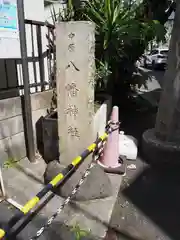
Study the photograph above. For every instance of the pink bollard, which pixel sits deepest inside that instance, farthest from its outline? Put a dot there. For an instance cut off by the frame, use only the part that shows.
(110, 156)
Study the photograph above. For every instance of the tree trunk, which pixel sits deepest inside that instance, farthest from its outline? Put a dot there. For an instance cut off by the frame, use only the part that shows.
(168, 117)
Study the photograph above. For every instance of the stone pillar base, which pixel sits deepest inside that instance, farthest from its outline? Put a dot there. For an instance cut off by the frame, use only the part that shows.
(158, 152)
(96, 186)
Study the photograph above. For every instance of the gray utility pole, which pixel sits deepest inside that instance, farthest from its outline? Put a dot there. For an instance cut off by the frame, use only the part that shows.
(25, 71)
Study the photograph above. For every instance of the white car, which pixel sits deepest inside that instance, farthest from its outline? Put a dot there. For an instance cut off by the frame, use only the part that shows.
(156, 58)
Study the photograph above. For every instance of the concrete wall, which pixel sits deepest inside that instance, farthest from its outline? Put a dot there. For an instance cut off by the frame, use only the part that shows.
(12, 143)
(101, 117)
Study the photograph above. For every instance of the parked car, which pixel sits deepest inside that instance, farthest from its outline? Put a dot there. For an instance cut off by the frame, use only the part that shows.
(156, 58)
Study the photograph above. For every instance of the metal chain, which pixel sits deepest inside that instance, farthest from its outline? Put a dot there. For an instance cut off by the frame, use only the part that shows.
(112, 126)
(96, 156)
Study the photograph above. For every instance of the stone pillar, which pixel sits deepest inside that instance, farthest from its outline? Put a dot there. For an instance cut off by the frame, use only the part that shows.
(75, 88)
(75, 99)
(162, 144)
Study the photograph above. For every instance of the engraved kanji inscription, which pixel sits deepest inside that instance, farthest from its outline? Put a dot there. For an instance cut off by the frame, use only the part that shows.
(71, 47)
(91, 114)
(71, 35)
(90, 103)
(72, 90)
(92, 81)
(91, 107)
(92, 49)
(72, 110)
(73, 65)
(73, 132)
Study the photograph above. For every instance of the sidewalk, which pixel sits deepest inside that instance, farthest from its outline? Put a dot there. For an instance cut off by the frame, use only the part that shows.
(148, 206)
(25, 180)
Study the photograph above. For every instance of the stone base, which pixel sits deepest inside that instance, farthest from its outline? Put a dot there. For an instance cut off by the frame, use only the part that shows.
(94, 215)
(157, 152)
(96, 186)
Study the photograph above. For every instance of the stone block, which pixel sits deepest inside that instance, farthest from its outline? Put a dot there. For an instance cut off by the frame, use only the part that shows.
(41, 100)
(12, 147)
(97, 185)
(10, 107)
(11, 126)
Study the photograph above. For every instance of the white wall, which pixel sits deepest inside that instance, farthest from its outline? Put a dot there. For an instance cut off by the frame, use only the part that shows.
(34, 9)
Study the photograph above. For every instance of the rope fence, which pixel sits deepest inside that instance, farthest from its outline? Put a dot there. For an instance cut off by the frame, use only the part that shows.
(96, 148)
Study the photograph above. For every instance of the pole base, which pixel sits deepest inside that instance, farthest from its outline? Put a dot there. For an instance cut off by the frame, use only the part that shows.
(120, 169)
(157, 152)
(96, 186)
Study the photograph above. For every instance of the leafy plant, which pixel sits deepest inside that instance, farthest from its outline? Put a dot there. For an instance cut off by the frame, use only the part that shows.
(78, 232)
(123, 31)
(117, 26)
(10, 163)
(65, 14)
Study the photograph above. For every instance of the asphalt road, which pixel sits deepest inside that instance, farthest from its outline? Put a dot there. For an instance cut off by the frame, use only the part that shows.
(154, 79)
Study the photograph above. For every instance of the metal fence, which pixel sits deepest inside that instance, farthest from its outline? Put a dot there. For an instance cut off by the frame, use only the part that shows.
(40, 37)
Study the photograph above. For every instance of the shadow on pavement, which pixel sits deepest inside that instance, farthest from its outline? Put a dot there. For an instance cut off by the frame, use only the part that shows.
(156, 193)
(57, 231)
